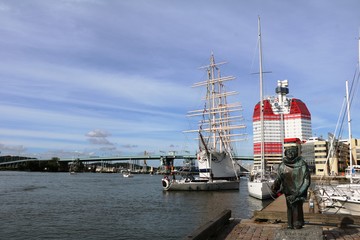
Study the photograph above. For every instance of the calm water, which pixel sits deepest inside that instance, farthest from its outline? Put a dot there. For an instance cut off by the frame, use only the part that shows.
(108, 206)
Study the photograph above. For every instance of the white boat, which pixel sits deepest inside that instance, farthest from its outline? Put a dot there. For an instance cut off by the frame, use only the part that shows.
(353, 172)
(199, 184)
(127, 174)
(350, 198)
(342, 198)
(259, 184)
(219, 127)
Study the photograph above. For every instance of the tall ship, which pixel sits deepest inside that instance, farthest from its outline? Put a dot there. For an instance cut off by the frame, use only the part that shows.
(219, 127)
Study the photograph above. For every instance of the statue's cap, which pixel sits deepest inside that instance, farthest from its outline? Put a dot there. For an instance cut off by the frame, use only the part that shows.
(289, 142)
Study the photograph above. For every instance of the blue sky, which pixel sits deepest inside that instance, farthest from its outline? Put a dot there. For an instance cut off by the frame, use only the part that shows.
(82, 77)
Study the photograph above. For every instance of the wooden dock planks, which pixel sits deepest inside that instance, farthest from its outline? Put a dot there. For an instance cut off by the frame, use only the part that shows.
(276, 212)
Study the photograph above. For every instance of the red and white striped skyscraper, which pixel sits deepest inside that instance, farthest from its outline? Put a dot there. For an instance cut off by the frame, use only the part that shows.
(283, 117)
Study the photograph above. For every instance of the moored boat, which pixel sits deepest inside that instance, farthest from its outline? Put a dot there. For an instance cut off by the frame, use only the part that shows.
(186, 184)
(218, 130)
(340, 198)
(260, 182)
(343, 198)
(353, 172)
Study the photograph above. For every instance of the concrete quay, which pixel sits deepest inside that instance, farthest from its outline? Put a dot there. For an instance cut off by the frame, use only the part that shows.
(249, 229)
(270, 223)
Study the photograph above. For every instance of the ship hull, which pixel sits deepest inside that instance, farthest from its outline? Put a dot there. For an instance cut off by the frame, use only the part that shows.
(342, 198)
(352, 206)
(215, 185)
(260, 190)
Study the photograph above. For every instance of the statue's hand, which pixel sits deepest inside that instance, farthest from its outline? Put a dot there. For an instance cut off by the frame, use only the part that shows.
(291, 199)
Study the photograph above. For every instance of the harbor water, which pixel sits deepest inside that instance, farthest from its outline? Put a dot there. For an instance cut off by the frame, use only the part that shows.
(38, 205)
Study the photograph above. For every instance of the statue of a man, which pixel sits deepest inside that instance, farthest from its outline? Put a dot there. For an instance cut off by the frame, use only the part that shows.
(293, 179)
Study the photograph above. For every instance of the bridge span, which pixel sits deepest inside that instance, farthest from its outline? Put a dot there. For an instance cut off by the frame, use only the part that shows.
(10, 160)
(144, 157)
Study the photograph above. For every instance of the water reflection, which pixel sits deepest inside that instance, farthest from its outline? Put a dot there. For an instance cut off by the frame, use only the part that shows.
(103, 206)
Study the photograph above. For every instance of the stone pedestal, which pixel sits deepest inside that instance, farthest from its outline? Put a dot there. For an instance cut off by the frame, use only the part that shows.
(306, 233)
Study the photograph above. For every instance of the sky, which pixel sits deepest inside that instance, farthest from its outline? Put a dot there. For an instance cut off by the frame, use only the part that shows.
(105, 78)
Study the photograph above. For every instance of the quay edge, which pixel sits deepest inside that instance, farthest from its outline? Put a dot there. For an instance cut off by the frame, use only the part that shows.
(271, 222)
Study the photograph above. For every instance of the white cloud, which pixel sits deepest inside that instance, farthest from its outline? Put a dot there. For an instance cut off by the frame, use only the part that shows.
(98, 133)
(15, 149)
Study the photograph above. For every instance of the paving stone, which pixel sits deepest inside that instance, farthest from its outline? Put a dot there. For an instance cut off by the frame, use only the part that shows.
(306, 233)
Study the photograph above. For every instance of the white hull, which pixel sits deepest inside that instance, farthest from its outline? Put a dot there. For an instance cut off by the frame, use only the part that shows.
(260, 190)
(342, 198)
(353, 172)
(335, 209)
(221, 165)
(340, 206)
(353, 207)
(215, 185)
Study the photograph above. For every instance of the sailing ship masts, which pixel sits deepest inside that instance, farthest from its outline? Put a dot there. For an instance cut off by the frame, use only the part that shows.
(214, 95)
(200, 114)
(227, 110)
(212, 64)
(216, 124)
(222, 128)
(222, 121)
(225, 106)
(233, 118)
(226, 136)
(211, 91)
(226, 126)
(349, 128)
(215, 112)
(232, 105)
(215, 109)
(261, 102)
(220, 95)
(213, 80)
(237, 140)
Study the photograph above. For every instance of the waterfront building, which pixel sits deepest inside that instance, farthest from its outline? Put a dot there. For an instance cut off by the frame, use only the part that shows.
(355, 151)
(330, 157)
(315, 152)
(283, 117)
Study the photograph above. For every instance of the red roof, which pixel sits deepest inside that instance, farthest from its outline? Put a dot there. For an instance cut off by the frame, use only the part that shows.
(267, 109)
(297, 109)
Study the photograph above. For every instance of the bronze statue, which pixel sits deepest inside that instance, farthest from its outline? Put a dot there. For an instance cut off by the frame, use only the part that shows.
(293, 180)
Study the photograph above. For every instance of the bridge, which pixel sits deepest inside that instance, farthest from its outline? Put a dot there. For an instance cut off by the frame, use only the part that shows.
(17, 160)
(145, 157)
